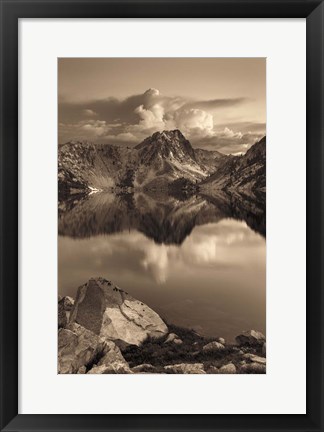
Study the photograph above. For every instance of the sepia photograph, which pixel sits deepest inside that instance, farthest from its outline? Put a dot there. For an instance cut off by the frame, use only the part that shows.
(161, 216)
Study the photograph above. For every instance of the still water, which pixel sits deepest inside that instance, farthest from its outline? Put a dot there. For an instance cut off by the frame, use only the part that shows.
(200, 263)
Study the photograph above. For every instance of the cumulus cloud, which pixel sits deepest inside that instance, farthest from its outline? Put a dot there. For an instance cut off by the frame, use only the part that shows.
(131, 120)
(188, 119)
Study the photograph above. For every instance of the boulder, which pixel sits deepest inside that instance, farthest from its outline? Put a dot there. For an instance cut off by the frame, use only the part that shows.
(65, 306)
(213, 346)
(185, 368)
(221, 340)
(144, 368)
(255, 358)
(113, 314)
(114, 368)
(250, 338)
(253, 368)
(78, 347)
(173, 338)
(228, 369)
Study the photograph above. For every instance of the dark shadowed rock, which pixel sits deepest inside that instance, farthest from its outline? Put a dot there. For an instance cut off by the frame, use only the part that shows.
(253, 368)
(114, 315)
(264, 349)
(212, 370)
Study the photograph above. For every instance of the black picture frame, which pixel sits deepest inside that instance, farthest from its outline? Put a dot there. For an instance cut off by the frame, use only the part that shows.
(11, 11)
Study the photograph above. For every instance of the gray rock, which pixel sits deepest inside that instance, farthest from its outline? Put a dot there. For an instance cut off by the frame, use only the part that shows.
(213, 346)
(228, 369)
(185, 368)
(113, 314)
(114, 368)
(173, 338)
(144, 368)
(78, 347)
(113, 355)
(250, 338)
(65, 306)
(221, 340)
(255, 358)
(253, 368)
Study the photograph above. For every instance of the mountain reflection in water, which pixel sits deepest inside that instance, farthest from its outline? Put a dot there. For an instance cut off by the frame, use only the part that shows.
(199, 262)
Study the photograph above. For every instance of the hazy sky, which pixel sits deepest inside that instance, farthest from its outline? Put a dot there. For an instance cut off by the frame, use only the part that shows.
(217, 103)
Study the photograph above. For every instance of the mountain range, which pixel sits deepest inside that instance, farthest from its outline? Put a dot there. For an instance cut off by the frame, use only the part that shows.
(165, 160)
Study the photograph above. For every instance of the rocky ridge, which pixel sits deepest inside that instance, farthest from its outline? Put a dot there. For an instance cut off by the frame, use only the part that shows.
(154, 164)
(106, 331)
(242, 173)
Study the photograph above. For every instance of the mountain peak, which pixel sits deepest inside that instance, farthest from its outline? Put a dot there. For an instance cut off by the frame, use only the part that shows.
(168, 144)
(164, 137)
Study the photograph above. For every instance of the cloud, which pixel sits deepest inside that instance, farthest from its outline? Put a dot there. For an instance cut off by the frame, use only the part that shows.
(95, 127)
(217, 103)
(89, 113)
(229, 142)
(152, 117)
(193, 119)
(132, 119)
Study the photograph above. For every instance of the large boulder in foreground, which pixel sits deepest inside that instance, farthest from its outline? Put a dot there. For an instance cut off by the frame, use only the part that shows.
(250, 338)
(113, 314)
(80, 350)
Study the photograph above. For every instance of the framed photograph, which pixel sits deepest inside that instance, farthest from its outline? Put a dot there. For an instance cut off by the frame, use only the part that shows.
(161, 215)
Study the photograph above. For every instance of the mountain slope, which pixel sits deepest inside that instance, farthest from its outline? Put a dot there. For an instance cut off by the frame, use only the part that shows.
(95, 166)
(241, 173)
(210, 159)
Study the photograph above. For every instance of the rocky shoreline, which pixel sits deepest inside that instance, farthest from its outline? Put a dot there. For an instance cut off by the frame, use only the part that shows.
(106, 331)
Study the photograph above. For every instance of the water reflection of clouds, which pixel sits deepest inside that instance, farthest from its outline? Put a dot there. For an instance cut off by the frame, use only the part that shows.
(227, 244)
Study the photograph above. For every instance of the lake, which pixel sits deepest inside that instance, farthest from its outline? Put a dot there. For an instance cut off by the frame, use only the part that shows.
(199, 261)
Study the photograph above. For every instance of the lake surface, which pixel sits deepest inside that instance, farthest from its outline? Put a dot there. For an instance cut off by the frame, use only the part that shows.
(199, 262)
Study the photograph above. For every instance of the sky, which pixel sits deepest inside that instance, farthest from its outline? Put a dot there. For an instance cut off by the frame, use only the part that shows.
(217, 103)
